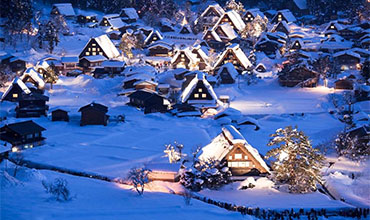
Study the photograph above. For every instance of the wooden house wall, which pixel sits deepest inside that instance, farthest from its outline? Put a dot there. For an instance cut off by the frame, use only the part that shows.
(18, 65)
(245, 164)
(92, 48)
(14, 94)
(200, 92)
(226, 77)
(159, 51)
(182, 60)
(93, 117)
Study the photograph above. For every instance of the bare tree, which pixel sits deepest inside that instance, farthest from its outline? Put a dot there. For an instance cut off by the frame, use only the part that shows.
(138, 178)
(58, 189)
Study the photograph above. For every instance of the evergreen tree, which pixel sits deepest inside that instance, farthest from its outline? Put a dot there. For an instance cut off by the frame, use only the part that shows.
(18, 15)
(352, 147)
(50, 75)
(236, 6)
(201, 174)
(295, 162)
(254, 29)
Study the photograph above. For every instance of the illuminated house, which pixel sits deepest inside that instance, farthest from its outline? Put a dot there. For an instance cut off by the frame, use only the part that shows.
(184, 59)
(231, 147)
(15, 90)
(101, 45)
(283, 15)
(233, 54)
(22, 135)
(251, 14)
(199, 93)
(64, 9)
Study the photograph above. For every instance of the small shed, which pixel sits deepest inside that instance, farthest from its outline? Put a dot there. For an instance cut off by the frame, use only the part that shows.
(94, 114)
(59, 115)
(344, 84)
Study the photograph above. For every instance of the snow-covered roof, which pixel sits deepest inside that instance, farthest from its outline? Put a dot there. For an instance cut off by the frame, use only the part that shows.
(230, 68)
(335, 24)
(301, 4)
(113, 63)
(107, 46)
(116, 23)
(228, 30)
(160, 44)
(70, 59)
(213, 33)
(35, 76)
(255, 12)
(240, 55)
(224, 143)
(20, 83)
(347, 52)
(192, 57)
(287, 14)
(192, 85)
(219, 10)
(130, 12)
(284, 24)
(65, 9)
(111, 16)
(95, 58)
(150, 35)
(235, 19)
(202, 52)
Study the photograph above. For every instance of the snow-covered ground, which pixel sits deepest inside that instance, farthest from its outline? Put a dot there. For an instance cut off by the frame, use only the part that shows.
(112, 150)
(94, 199)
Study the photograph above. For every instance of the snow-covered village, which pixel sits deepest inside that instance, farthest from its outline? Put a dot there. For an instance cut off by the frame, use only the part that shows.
(185, 109)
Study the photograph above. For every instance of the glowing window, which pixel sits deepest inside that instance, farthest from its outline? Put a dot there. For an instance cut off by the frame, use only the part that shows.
(15, 95)
(94, 53)
(200, 90)
(87, 53)
(246, 157)
(94, 49)
(238, 156)
(230, 157)
(196, 95)
(101, 53)
(94, 45)
(204, 95)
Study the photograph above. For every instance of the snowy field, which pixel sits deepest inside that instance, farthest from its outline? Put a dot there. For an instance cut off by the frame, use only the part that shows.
(114, 149)
(93, 199)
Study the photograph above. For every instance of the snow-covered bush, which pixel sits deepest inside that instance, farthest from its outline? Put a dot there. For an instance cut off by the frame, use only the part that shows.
(138, 178)
(200, 174)
(351, 147)
(174, 152)
(58, 189)
(295, 163)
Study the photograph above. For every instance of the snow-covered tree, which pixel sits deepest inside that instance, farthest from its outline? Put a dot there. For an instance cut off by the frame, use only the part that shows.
(236, 6)
(155, 9)
(127, 44)
(201, 174)
(295, 162)
(254, 29)
(18, 18)
(174, 152)
(352, 147)
(50, 75)
(138, 178)
(47, 33)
